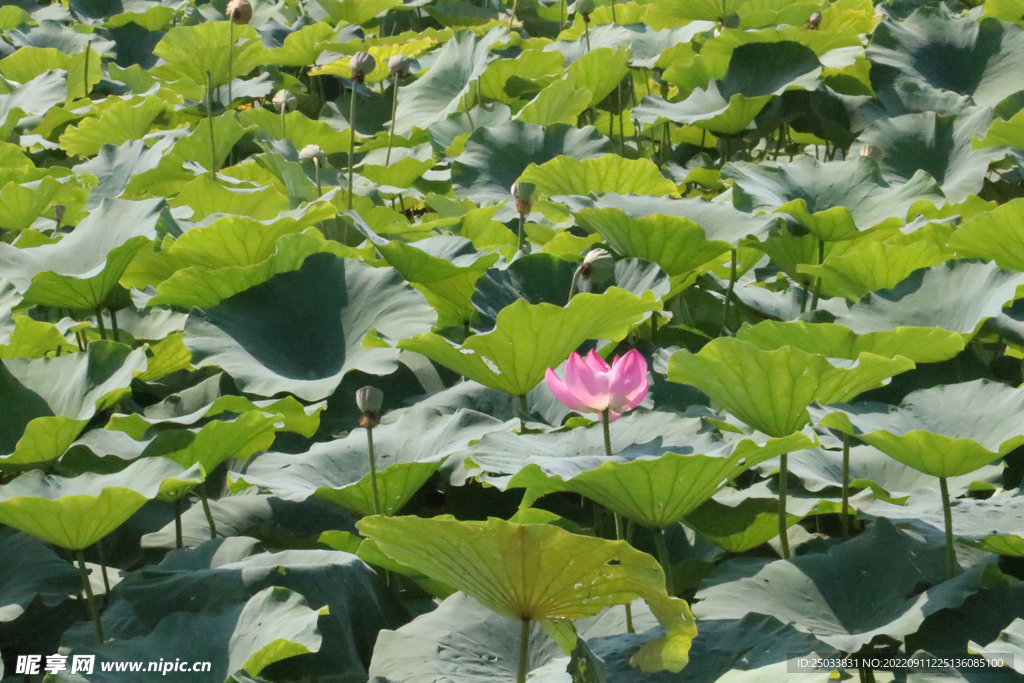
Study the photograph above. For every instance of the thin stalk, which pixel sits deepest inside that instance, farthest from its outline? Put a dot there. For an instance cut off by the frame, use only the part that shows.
(783, 483)
(586, 32)
(80, 340)
(622, 128)
(99, 319)
(178, 541)
(391, 135)
(284, 122)
(522, 226)
(817, 280)
(512, 18)
(316, 170)
(93, 609)
(85, 78)
(209, 118)
(113, 322)
(728, 292)
(523, 411)
(373, 471)
(209, 514)
(103, 570)
(607, 432)
(524, 652)
(613, 12)
(618, 519)
(654, 324)
(666, 560)
(952, 568)
(231, 55)
(561, 15)
(351, 141)
(846, 486)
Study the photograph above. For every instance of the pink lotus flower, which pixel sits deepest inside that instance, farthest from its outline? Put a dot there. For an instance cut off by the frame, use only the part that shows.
(592, 386)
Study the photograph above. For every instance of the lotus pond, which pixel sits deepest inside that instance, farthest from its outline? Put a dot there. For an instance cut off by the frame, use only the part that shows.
(522, 340)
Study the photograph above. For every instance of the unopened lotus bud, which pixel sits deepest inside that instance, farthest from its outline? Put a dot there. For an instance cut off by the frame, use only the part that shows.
(399, 65)
(597, 263)
(284, 101)
(523, 193)
(814, 22)
(361, 64)
(314, 155)
(586, 8)
(58, 212)
(369, 401)
(239, 11)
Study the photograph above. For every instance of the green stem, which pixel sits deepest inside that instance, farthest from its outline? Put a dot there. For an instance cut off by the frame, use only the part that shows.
(817, 280)
(666, 560)
(654, 324)
(952, 568)
(85, 78)
(231, 54)
(352, 141)
(284, 122)
(586, 30)
(783, 483)
(87, 585)
(113, 322)
(522, 225)
(524, 652)
(178, 541)
(512, 18)
(391, 135)
(209, 514)
(209, 118)
(607, 432)
(619, 536)
(99, 319)
(523, 411)
(728, 292)
(613, 12)
(618, 97)
(373, 471)
(846, 486)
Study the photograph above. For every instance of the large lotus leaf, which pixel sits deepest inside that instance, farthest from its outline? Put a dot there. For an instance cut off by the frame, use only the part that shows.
(996, 235)
(80, 270)
(538, 572)
(1010, 641)
(832, 200)
(704, 108)
(871, 265)
(812, 591)
(302, 47)
(737, 526)
(972, 292)
(122, 121)
(273, 625)
(676, 244)
(919, 344)
(410, 445)
(76, 512)
(46, 402)
(529, 339)
(114, 167)
(598, 72)
(31, 571)
(34, 98)
(30, 62)
(207, 197)
(382, 53)
(944, 431)
(298, 128)
(770, 390)
(673, 13)
(23, 204)
(940, 145)
(721, 222)
(439, 93)
(610, 173)
(301, 331)
(192, 51)
(494, 157)
(933, 59)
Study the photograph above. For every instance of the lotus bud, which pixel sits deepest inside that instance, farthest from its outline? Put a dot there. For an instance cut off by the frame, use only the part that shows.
(369, 401)
(284, 101)
(523, 193)
(586, 8)
(598, 267)
(314, 155)
(58, 213)
(399, 65)
(239, 11)
(361, 64)
(814, 22)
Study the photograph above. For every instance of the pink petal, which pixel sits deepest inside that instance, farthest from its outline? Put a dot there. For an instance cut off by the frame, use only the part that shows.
(596, 363)
(586, 385)
(627, 383)
(562, 393)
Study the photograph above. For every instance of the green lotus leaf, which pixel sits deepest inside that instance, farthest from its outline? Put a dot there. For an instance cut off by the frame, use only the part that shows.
(196, 146)
(34, 98)
(810, 591)
(22, 205)
(536, 67)
(80, 270)
(940, 145)
(673, 13)
(298, 128)
(439, 93)
(356, 11)
(770, 390)
(401, 174)
(1010, 545)
(1003, 134)
(933, 60)
(207, 197)
(46, 402)
(920, 434)
(302, 47)
(870, 265)
(834, 201)
(192, 51)
(34, 339)
(115, 167)
(495, 157)
(1010, 641)
(275, 624)
(25, 65)
(31, 571)
(973, 292)
(598, 71)
(559, 102)
(994, 235)
(919, 344)
(717, 53)
(738, 528)
(537, 572)
(76, 512)
(676, 244)
(514, 356)
(709, 109)
(610, 173)
(125, 120)
(302, 330)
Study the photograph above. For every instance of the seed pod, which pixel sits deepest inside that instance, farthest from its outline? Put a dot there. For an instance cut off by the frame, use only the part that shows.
(399, 65)
(58, 212)
(523, 193)
(369, 401)
(239, 11)
(361, 64)
(284, 101)
(586, 8)
(314, 155)
(814, 22)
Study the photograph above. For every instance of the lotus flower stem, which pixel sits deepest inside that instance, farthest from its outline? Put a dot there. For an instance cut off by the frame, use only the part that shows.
(524, 410)
(209, 515)
(666, 561)
(351, 141)
(522, 225)
(178, 541)
(284, 125)
(89, 596)
(817, 280)
(613, 12)
(586, 30)
(512, 17)
(605, 419)
(113, 322)
(231, 54)
(728, 292)
(103, 566)
(373, 471)
(209, 118)
(846, 486)
(952, 568)
(99, 319)
(619, 536)
(85, 77)
(783, 483)
(391, 134)
(524, 652)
